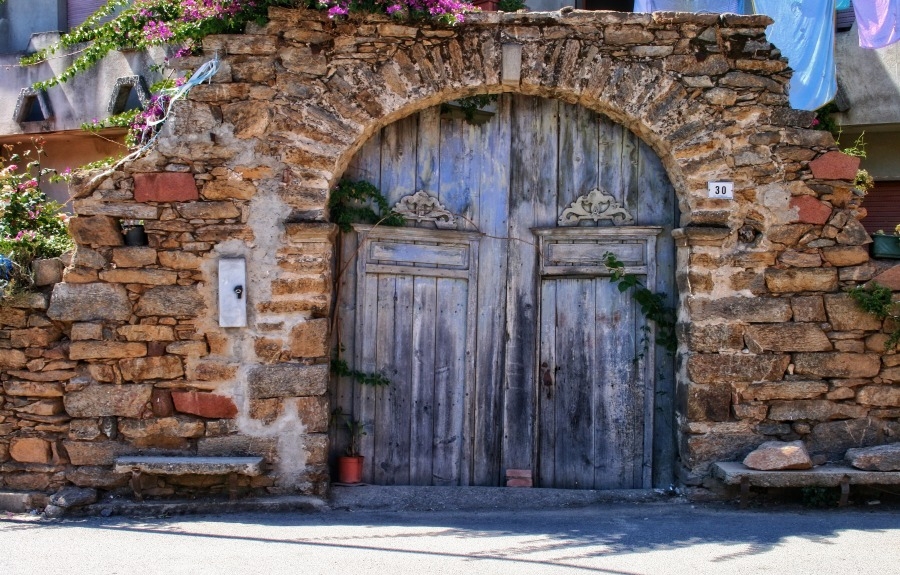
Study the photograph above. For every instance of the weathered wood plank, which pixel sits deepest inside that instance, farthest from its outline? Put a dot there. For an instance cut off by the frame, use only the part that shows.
(533, 179)
(449, 381)
(366, 359)
(398, 159)
(461, 152)
(610, 157)
(428, 151)
(491, 215)
(444, 256)
(422, 398)
(578, 154)
(385, 344)
(658, 206)
(547, 392)
(397, 443)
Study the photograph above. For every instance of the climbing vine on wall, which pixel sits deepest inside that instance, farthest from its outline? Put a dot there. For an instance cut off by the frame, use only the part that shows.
(879, 301)
(653, 304)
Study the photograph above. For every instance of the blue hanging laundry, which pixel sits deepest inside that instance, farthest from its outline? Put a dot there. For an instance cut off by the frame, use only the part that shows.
(716, 6)
(6, 267)
(804, 32)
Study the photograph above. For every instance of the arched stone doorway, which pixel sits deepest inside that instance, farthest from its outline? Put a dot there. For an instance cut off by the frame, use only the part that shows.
(506, 343)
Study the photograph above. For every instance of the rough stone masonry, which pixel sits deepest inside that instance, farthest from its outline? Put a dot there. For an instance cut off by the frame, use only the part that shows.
(125, 355)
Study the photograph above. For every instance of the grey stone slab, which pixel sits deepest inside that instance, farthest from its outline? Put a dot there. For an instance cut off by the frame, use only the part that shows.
(825, 476)
(159, 465)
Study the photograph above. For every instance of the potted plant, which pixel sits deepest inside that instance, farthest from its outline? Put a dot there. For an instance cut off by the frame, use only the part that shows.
(349, 465)
(886, 245)
(134, 233)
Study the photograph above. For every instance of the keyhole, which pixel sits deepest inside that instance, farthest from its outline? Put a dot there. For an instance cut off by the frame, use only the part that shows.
(239, 291)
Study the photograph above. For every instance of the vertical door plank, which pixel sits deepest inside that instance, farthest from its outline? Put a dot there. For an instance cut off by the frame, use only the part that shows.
(428, 151)
(491, 215)
(422, 398)
(574, 355)
(629, 170)
(395, 461)
(342, 388)
(610, 157)
(547, 392)
(460, 164)
(618, 441)
(533, 177)
(366, 164)
(385, 343)
(658, 206)
(398, 159)
(578, 152)
(449, 380)
(366, 360)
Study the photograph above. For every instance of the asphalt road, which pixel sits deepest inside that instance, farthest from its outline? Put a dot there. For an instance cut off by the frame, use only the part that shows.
(634, 538)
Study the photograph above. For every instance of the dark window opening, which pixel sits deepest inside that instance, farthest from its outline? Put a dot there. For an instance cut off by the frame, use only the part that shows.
(31, 110)
(844, 19)
(617, 5)
(882, 205)
(127, 99)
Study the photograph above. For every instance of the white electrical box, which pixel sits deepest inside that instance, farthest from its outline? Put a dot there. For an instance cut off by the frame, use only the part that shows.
(232, 292)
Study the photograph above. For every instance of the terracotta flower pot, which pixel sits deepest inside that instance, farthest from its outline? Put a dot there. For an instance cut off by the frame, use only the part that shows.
(350, 469)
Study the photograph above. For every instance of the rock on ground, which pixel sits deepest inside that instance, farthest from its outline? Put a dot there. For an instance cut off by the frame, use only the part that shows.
(777, 455)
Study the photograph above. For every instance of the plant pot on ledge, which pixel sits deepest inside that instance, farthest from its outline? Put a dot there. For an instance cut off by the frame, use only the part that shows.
(885, 246)
(350, 468)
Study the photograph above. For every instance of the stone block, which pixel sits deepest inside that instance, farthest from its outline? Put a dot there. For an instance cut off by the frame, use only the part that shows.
(28, 481)
(12, 317)
(32, 389)
(310, 338)
(141, 332)
(837, 364)
(810, 210)
(207, 405)
(713, 338)
(94, 452)
(786, 337)
(853, 234)
(134, 276)
(698, 451)
(230, 189)
(841, 256)
(813, 409)
(238, 445)
(879, 395)
(889, 278)
(809, 308)
(878, 458)
(145, 368)
(97, 477)
(740, 309)
(314, 413)
(784, 390)
(777, 455)
(43, 407)
(211, 370)
(106, 349)
(12, 359)
(134, 257)
(287, 380)
(89, 302)
(801, 280)
(84, 429)
(96, 231)
(47, 271)
(845, 315)
(101, 400)
(797, 259)
(736, 368)
(209, 210)
(34, 337)
(86, 331)
(177, 426)
(709, 402)
(178, 301)
(165, 187)
(187, 348)
(69, 497)
(179, 260)
(30, 450)
(835, 165)
(834, 438)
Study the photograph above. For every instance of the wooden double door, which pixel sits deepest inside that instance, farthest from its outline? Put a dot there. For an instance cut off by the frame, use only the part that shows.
(492, 314)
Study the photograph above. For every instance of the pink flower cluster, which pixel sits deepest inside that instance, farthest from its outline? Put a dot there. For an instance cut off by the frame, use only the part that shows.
(452, 11)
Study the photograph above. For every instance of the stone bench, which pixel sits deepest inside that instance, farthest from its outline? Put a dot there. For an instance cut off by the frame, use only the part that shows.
(157, 465)
(733, 473)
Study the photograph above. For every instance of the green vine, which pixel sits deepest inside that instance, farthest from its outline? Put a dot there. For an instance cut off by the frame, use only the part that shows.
(878, 300)
(653, 304)
(470, 106)
(342, 369)
(352, 202)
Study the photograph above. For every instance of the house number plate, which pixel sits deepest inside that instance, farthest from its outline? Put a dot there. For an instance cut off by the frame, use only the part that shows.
(721, 190)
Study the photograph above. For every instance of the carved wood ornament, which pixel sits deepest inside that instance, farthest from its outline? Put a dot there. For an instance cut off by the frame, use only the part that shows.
(423, 207)
(596, 205)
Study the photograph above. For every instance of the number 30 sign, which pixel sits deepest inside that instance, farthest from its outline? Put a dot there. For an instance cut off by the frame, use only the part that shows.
(721, 190)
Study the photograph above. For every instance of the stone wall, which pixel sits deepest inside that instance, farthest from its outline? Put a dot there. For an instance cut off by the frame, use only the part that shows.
(134, 360)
